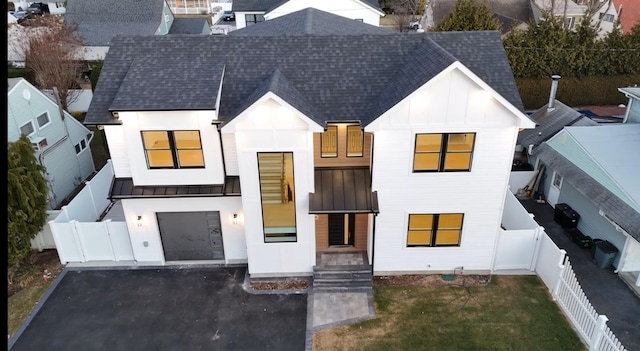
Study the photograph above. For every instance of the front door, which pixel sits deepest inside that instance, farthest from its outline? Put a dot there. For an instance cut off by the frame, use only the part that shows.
(341, 229)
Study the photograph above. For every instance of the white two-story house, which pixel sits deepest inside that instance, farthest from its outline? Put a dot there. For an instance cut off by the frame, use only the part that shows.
(399, 146)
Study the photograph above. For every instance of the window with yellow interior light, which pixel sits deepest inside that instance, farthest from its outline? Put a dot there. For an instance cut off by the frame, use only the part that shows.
(173, 149)
(434, 229)
(443, 152)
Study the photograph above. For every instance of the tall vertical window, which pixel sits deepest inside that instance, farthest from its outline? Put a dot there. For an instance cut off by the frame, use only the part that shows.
(434, 229)
(355, 141)
(329, 142)
(443, 152)
(173, 149)
(277, 195)
(253, 18)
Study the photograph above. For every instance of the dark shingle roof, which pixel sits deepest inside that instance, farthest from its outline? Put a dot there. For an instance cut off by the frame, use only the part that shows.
(310, 21)
(619, 211)
(254, 5)
(98, 21)
(549, 123)
(190, 26)
(334, 77)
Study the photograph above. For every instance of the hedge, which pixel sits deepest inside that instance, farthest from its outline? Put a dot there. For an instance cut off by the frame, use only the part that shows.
(593, 90)
(26, 73)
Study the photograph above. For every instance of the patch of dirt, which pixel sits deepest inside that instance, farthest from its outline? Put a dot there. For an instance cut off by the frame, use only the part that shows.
(431, 280)
(37, 266)
(280, 285)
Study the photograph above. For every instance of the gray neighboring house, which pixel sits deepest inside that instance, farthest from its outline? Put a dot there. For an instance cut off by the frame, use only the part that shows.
(510, 13)
(594, 170)
(61, 144)
(99, 21)
(632, 113)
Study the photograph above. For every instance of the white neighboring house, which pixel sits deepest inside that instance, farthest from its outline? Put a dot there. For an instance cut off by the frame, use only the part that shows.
(61, 143)
(249, 12)
(321, 147)
(604, 14)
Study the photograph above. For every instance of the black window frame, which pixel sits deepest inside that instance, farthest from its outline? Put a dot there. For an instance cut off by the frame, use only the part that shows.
(254, 17)
(434, 230)
(174, 150)
(443, 153)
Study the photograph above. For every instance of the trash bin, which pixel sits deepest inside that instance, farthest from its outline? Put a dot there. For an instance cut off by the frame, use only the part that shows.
(557, 215)
(569, 218)
(605, 254)
(594, 244)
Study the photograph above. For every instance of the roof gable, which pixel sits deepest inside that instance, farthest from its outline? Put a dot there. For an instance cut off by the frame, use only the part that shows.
(310, 21)
(602, 153)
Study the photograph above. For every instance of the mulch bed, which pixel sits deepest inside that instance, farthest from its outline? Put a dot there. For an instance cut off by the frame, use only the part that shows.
(37, 266)
(431, 280)
(280, 285)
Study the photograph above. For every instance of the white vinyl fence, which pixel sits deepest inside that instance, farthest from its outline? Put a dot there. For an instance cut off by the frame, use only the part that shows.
(78, 237)
(524, 247)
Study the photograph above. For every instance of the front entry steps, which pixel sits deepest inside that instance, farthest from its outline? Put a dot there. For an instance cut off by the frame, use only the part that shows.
(342, 278)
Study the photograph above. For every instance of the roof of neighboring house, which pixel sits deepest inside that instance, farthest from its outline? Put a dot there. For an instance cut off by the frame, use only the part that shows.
(550, 122)
(616, 209)
(559, 7)
(190, 26)
(268, 5)
(331, 77)
(631, 92)
(629, 11)
(310, 21)
(99, 21)
(12, 82)
(510, 13)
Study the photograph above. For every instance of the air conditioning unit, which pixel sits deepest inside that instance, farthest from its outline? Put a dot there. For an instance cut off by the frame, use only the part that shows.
(38, 143)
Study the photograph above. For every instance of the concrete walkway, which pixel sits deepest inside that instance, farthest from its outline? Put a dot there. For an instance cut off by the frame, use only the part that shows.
(332, 309)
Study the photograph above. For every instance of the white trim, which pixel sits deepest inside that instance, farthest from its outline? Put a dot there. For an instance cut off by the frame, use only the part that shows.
(40, 127)
(33, 128)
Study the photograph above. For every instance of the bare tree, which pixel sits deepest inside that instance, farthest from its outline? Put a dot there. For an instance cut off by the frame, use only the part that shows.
(405, 11)
(51, 52)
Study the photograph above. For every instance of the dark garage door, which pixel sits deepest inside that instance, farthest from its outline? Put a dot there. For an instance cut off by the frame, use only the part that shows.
(191, 235)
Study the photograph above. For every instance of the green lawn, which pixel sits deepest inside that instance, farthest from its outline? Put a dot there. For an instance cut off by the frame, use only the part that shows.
(509, 313)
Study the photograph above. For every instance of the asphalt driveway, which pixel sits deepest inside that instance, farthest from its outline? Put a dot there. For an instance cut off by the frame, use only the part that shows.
(163, 309)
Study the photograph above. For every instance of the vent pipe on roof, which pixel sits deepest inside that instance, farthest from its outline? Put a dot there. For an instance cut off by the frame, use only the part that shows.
(554, 90)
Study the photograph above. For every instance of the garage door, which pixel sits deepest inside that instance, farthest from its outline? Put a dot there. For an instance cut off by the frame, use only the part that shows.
(191, 235)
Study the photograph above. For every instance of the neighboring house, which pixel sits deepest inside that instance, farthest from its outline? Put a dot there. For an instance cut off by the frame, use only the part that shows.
(605, 16)
(61, 144)
(55, 7)
(395, 145)
(628, 13)
(310, 21)
(249, 12)
(511, 13)
(632, 112)
(567, 10)
(99, 21)
(595, 171)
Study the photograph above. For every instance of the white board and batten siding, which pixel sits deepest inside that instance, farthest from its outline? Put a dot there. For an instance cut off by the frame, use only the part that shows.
(230, 154)
(271, 125)
(146, 241)
(127, 152)
(356, 10)
(450, 103)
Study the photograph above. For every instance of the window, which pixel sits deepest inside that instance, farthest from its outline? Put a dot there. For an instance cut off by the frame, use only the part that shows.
(355, 140)
(277, 195)
(568, 22)
(557, 180)
(253, 19)
(43, 120)
(81, 146)
(434, 229)
(443, 152)
(27, 128)
(607, 17)
(329, 142)
(173, 149)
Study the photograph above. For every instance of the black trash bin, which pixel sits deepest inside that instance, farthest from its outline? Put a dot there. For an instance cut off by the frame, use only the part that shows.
(605, 254)
(569, 218)
(557, 215)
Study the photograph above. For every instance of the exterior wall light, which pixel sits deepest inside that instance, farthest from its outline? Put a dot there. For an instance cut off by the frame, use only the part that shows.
(235, 218)
(139, 221)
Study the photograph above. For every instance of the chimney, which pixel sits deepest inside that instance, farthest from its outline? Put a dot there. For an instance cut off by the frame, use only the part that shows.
(554, 89)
